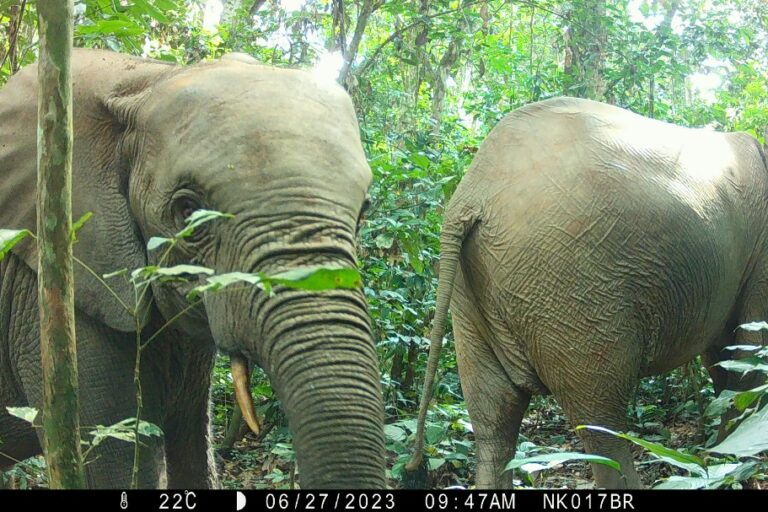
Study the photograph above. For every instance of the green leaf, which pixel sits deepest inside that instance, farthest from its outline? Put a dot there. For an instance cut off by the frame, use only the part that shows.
(116, 27)
(394, 433)
(551, 460)
(156, 241)
(198, 218)
(435, 432)
(318, 278)
(669, 455)
(434, 462)
(120, 272)
(9, 238)
(749, 438)
(721, 403)
(420, 160)
(27, 414)
(385, 241)
(746, 398)
(152, 272)
(150, 10)
(746, 365)
(754, 326)
(79, 224)
(124, 430)
(217, 282)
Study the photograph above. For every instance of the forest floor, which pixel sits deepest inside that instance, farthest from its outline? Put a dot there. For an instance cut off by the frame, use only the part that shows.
(252, 464)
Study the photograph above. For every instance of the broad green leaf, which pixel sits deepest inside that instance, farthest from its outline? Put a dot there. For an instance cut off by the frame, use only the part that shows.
(27, 414)
(385, 241)
(79, 224)
(435, 462)
(754, 326)
(9, 238)
(153, 271)
(746, 365)
(395, 433)
(116, 27)
(124, 430)
(746, 398)
(434, 432)
(420, 160)
(721, 403)
(318, 278)
(551, 460)
(669, 455)
(719, 475)
(685, 482)
(150, 10)
(157, 241)
(749, 438)
(217, 282)
(198, 218)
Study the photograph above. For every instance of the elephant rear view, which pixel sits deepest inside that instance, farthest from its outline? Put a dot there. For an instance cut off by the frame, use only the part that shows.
(588, 247)
(154, 143)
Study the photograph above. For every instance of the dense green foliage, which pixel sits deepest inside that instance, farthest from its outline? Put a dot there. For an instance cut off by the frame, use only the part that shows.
(429, 80)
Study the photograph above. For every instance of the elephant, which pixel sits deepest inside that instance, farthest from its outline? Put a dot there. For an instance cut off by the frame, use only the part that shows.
(585, 248)
(280, 151)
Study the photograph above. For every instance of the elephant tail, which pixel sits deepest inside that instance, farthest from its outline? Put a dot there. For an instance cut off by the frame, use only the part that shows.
(460, 219)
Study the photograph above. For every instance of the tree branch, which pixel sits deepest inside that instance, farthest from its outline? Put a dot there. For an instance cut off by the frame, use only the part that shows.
(368, 8)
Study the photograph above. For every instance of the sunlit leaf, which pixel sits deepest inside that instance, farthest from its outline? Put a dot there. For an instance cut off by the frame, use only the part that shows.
(435, 462)
(753, 326)
(551, 460)
(157, 241)
(27, 414)
(318, 278)
(394, 433)
(198, 218)
(9, 238)
(79, 224)
(675, 457)
(749, 438)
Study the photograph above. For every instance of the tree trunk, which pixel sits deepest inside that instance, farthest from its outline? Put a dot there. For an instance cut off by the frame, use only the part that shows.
(586, 40)
(350, 53)
(235, 431)
(61, 411)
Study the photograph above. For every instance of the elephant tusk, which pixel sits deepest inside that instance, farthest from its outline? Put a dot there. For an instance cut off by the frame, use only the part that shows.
(241, 376)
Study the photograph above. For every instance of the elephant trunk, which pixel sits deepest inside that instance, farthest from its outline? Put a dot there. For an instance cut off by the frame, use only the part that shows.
(319, 353)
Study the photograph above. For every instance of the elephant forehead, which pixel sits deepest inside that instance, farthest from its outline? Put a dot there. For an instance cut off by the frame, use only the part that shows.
(248, 92)
(240, 120)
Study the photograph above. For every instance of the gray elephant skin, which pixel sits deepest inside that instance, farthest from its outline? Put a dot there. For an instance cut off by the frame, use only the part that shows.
(154, 142)
(588, 247)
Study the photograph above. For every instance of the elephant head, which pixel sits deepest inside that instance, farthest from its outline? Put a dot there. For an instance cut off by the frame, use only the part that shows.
(276, 148)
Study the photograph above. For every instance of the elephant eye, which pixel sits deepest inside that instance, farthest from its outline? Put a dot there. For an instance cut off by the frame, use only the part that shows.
(183, 207)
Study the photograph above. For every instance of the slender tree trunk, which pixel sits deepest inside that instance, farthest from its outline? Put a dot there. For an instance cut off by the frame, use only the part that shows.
(235, 431)
(350, 53)
(586, 40)
(61, 411)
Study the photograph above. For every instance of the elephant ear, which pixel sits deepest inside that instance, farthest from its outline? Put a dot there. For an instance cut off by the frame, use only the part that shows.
(103, 85)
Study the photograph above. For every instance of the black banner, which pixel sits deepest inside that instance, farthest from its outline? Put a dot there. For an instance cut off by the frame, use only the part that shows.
(411, 501)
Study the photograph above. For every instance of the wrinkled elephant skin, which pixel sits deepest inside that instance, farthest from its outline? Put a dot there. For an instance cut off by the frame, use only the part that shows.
(588, 247)
(278, 149)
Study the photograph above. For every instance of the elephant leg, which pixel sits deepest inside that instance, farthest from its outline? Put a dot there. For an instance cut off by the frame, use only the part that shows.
(107, 396)
(496, 406)
(189, 458)
(597, 392)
